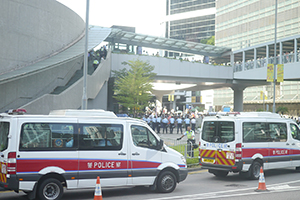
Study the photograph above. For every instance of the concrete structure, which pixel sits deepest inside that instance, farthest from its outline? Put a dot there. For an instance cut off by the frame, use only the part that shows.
(29, 87)
(32, 30)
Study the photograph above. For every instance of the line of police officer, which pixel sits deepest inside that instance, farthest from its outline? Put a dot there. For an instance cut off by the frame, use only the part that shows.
(170, 122)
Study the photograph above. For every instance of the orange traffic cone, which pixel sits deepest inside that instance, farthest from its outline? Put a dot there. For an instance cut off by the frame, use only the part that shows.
(98, 193)
(261, 183)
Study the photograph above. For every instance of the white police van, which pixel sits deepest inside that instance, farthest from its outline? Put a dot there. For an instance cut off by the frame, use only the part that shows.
(42, 154)
(243, 142)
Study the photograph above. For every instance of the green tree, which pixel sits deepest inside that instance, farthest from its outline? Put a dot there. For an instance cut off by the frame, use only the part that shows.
(282, 110)
(210, 40)
(133, 87)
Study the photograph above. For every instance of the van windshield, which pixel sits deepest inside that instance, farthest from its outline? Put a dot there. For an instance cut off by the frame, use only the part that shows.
(4, 130)
(218, 131)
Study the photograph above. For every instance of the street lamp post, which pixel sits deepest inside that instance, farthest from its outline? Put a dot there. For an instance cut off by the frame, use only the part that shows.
(275, 58)
(85, 64)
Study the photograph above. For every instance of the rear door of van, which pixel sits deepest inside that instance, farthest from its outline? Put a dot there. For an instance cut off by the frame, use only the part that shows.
(218, 143)
(144, 156)
(4, 132)
(103, 152)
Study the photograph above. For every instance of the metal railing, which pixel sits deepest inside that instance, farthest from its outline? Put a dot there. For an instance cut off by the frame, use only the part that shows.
(186, 148)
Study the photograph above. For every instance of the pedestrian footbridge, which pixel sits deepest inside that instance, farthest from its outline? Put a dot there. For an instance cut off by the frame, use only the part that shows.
(36, 87)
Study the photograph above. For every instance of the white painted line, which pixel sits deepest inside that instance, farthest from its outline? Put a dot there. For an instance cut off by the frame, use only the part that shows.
(279, 187)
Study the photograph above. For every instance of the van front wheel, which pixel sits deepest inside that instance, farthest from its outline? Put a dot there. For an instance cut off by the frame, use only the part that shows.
(50, 189)
(166, 182)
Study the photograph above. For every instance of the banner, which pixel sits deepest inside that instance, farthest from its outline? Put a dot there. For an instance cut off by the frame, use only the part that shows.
(263, 96)
(270, 73)
(280, 73)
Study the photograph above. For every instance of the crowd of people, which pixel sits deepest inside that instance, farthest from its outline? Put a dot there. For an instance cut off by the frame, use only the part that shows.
(98, 55)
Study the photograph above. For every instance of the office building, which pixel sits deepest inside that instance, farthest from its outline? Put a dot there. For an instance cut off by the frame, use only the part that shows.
(245, 23)
(190, 20)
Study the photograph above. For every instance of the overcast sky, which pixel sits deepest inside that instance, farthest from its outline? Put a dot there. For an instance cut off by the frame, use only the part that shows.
(145, 15)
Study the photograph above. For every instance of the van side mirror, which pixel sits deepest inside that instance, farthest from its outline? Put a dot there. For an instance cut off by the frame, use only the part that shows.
(160, 145)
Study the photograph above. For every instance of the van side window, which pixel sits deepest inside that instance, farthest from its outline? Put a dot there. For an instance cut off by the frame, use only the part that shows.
(218, 131)
(100, 136)
(264, 132)
(277, 132)
(295, 131)
(142, 137)
(47, 136)
(4, 131)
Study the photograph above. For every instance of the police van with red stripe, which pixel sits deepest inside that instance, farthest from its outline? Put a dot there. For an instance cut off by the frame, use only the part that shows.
(42, 154)
(244, 142)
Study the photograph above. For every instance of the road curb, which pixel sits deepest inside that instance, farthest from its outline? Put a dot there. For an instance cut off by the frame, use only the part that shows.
(194, 169)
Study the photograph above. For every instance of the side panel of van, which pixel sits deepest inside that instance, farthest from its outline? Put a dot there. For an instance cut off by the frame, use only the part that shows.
(39, 150)
(144, 156)
(294, 133)
(103, 152)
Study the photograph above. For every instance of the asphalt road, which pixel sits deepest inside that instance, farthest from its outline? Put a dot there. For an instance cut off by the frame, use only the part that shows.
(281, 184)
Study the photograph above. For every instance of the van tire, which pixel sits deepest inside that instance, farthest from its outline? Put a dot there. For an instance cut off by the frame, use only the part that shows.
(255, 170)
(50, 189)
(166, 182)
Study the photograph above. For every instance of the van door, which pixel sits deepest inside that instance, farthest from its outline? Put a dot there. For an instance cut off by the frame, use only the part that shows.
(144, 156)
(103, 152)
(4, 131)
(218, 143)
(294, 134)
(279, 145)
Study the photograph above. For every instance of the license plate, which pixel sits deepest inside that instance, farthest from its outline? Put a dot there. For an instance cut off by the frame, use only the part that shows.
(206, 160)
(230, 155)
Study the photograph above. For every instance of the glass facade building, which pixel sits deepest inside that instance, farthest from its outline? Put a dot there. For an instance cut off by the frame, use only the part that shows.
(244, 23)
(190, 20)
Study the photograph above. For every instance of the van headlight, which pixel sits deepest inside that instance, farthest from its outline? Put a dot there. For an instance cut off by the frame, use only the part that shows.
(183, 159)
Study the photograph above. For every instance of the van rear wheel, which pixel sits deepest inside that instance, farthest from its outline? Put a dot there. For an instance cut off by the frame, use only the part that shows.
(255, 170)
(166, 182)
(50, 189)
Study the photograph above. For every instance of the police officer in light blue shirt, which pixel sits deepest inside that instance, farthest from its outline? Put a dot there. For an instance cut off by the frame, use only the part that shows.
(179, 124)
(158, 123)
(149, 120)
(187, 122)
(154, 120)
(165, 122)
(172, 124)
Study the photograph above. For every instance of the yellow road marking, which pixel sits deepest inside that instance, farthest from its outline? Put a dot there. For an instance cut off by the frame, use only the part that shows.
(199, 171)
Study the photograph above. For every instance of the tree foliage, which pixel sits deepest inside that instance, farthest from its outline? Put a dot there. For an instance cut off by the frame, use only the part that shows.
(282, 110)
(133, 87)
(210, 41)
